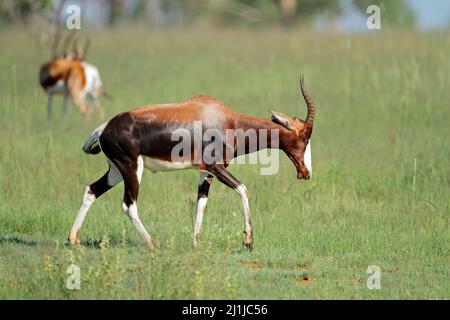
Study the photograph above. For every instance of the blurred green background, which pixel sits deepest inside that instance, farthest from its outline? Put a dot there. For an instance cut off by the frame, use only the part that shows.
(382, 105)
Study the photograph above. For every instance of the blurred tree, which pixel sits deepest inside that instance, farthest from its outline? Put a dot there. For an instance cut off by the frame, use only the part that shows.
(166, 12)
(286, 11)
(195, 9)
(393, 12)
(245, 11)
(116, 11)
(14, 11)
(225, 12)
(290, 10)
(139, 11)
(308, 8)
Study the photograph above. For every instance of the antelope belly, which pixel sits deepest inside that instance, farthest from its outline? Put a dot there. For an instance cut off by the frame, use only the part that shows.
(154, 165)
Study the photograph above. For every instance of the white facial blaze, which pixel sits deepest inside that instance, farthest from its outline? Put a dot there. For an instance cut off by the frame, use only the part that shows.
(307, 158)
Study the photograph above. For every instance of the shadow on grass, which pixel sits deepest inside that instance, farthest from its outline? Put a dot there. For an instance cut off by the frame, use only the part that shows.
(99, 244)
(17, 241)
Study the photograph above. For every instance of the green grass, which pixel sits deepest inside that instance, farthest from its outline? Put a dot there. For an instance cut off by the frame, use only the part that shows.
(382, 101)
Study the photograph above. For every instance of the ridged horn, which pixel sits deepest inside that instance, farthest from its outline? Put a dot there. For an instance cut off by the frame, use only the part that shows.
(309, 103)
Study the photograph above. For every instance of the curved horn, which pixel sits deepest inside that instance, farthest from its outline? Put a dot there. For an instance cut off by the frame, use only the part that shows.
(86, 47)
(67, 43)
(75, 50)
(309, 103)
(57, 31)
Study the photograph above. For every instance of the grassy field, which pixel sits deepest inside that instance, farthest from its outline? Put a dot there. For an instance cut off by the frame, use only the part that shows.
(382, 101)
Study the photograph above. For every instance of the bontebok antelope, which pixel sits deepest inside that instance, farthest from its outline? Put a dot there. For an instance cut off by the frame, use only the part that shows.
(147, 137)
(70, 75)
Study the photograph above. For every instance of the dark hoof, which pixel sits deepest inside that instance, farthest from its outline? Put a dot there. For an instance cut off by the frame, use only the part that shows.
(249, 246)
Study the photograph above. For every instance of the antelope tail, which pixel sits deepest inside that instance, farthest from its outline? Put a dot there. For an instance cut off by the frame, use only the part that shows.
(92, 144)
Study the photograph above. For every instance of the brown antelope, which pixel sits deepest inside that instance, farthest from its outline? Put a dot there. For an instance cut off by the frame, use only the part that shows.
(145, 138)
(71, 76)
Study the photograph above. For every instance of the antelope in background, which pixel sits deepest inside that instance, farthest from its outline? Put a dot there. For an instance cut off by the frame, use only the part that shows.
(144, 138)
(70, 75)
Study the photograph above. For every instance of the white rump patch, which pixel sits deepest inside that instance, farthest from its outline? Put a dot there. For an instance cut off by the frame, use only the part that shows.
(114, 176)
(93, 80)
(307, 158)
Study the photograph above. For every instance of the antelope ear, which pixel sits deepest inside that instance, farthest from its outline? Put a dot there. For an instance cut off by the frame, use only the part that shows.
(282, 119)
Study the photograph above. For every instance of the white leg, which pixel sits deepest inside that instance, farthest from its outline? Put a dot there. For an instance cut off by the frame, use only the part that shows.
(88, 200)
(132, 213)
(202, 199)
(201, 205)
(49, 105)
(242, 190)
(109, 180)
(132, 210)
(65, 104)
(95, 100)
